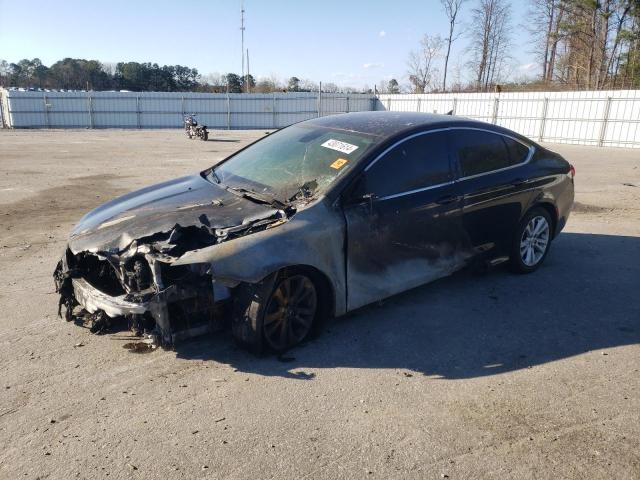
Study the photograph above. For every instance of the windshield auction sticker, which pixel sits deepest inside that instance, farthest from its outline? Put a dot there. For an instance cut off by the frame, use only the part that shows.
(339, 163)
(339, 146)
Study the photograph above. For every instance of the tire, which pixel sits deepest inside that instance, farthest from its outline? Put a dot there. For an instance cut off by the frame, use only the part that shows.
(532, 241)
(205, 136)
(278, 313)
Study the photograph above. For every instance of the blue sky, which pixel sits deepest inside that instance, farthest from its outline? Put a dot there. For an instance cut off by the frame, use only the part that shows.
(353, 43)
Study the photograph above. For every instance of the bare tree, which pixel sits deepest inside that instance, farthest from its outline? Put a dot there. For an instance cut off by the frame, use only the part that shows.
(451, 9)
(216, 82)
(421, 63)
(623, 30)
(544, 21)
(307, 85)
(490, 35)
(330, 87)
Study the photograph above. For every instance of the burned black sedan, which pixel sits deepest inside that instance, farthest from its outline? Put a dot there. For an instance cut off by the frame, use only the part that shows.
(314, 220)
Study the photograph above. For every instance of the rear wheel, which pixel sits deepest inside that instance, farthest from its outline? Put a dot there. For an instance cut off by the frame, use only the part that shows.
(531, 242)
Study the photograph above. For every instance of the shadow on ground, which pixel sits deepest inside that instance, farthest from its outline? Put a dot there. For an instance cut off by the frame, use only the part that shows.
(584, 298)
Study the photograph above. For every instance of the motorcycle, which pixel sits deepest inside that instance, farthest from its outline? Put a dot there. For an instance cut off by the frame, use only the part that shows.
(192, 129)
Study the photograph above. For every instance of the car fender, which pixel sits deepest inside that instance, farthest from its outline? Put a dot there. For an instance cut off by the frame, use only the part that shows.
(557, 192)
(313, 237)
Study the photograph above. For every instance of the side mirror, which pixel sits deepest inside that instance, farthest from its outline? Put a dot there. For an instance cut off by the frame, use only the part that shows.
(358, 194)
(361, 199)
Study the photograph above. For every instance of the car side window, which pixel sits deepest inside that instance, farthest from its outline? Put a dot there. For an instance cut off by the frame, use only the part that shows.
(518, 152)
(480, 151)
(420, 162)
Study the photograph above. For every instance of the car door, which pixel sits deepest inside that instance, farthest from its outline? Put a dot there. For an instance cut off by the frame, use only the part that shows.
(403, 220)
(493, 185)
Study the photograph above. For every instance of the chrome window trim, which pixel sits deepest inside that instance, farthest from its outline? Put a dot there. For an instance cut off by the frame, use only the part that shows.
(526, 160)
(410, 192)
(401, 141)
(455, 178)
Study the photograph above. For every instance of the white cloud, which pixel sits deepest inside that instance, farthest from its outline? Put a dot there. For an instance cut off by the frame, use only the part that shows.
(527, 67)
(382, 33)
(373, 65)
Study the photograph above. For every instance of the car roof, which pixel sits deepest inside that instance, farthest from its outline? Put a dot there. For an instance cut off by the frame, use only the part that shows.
(387, 124)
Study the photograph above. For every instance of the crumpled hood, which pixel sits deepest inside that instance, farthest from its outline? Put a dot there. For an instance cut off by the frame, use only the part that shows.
(186, 201)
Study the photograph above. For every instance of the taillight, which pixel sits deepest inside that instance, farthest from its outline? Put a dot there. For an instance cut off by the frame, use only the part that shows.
(572, 171)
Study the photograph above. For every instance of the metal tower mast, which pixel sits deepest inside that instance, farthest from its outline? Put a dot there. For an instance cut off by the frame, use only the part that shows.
(242, 33)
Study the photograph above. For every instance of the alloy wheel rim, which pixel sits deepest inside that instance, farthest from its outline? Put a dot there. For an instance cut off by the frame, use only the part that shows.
(290, 312)
(534, 241)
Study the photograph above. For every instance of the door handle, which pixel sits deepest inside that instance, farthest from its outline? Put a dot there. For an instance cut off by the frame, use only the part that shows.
(447, 199)
(519, 181)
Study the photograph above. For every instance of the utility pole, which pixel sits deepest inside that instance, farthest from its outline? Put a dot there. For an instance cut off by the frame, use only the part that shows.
(242, 32)
(248, 74)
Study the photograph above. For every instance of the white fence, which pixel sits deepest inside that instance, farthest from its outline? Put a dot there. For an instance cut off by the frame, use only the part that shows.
(166, 110)
(601, 118)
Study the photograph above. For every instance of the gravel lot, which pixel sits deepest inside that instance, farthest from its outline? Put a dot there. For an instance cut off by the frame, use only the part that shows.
(492, 376)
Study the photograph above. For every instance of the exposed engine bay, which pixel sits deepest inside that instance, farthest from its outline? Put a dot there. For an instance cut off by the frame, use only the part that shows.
(138, 287)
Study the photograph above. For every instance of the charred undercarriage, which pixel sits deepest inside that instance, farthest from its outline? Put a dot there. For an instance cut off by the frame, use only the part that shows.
(138, 287)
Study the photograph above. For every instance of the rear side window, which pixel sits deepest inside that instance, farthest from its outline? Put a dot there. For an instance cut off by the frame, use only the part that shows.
(480, 151)
(518, 152)
(419, 162)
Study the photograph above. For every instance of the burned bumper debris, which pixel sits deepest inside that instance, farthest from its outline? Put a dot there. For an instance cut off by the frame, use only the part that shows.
(108, 280)
(107, 293)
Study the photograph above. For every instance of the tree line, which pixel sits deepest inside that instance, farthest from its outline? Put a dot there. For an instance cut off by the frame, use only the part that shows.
(80, 74)
(578, 44)
(592, 44)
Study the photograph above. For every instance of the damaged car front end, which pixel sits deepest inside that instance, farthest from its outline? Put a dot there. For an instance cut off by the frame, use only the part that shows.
(106, 278)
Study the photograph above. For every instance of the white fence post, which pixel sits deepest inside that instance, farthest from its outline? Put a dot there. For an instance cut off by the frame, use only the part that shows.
(90, 106)
(46, 111)
(496, 105)
(228, 112)
(138, 111)
(319, 99)
(274, 123)
(543, 120)
(455, 106)
(605, 121)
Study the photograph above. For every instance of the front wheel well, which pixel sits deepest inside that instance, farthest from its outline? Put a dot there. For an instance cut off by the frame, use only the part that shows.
(321, 280)
(251, 299)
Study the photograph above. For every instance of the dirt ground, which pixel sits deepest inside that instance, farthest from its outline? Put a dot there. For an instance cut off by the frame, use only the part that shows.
(492, 376)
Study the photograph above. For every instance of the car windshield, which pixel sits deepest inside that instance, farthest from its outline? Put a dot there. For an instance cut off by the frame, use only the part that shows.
(297, 162)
